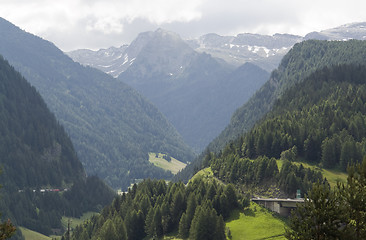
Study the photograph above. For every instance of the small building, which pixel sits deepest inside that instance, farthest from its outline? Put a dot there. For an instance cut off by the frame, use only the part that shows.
(280, 206)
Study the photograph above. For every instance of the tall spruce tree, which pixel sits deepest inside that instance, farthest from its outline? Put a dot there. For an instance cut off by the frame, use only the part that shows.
(338, 214)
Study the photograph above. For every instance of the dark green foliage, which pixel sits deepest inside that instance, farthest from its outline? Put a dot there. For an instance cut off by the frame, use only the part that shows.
(7, 229)
(353, 195)
(36, 153)
(35, 150)
(263, 171)
(318, 218)
(108, 231)
(337, 214)
(167, 157)
(323, 117)
(301, 61)
(153, 209)
(206, 225)
(184, 226)
(320, 120)
(112, 127)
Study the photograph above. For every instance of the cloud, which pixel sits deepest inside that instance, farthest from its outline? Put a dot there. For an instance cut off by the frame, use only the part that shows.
(72, 24)
(84, 17)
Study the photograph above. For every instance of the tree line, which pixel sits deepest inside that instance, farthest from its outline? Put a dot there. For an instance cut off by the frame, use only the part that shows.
(37, 153)
(338, 213)
(323, 118)
(153, 208)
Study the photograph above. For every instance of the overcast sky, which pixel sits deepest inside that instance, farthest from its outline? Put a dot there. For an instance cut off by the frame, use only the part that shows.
(94, 24)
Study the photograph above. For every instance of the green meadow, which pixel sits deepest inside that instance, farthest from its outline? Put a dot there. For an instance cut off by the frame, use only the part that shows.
(32, 235)
(333, 175)
(174, 165)
(254, 223)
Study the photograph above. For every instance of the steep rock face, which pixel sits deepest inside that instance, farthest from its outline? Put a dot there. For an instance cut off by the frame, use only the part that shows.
(111, 60)
(112, 126)
(263, 50)
(267, 51)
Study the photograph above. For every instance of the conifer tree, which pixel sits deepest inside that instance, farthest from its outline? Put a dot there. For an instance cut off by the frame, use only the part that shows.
(184, 226)
(353, 196)
(318, 218)
(108, 231)
(120, 228)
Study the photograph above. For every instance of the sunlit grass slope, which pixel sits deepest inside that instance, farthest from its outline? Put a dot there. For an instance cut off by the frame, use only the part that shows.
(255, 223)
(332, 175)
(173, 166)
(32, 235)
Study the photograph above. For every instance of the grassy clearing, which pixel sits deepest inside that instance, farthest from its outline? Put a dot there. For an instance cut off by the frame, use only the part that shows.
(207, 174)
(32, 235)
(174, 166)
(77, 221)
(333, 176)
(256, 223)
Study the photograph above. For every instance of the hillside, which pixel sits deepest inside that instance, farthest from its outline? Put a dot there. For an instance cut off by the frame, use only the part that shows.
(38, 162)
(323, 117)
(153, 209)
(302, 60)
(32, 140)
(255, 223)
(319, 120)
(113, 128)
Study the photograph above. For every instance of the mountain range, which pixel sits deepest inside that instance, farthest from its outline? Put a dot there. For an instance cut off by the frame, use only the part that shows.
(265, 51)
(112, 127)
(192, 80)
(310, 108)
(262, 50)
(196, 92)
(307, 119)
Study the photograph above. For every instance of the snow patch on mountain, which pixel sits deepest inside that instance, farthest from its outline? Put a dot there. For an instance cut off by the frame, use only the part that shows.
(263, 50)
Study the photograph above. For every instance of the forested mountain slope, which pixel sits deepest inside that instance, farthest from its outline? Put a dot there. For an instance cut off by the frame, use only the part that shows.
(301, 61)
(154, 208)
(113, 128)
(323, 116)
(32, 140)
(36, 153)
(320, 120)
